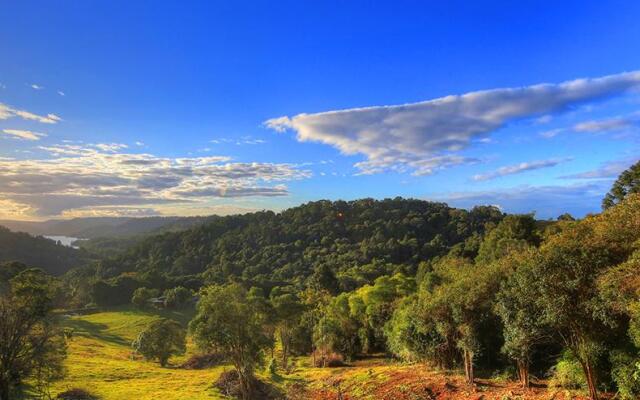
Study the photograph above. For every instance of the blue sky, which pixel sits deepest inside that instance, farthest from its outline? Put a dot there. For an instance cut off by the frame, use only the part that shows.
(142, 108)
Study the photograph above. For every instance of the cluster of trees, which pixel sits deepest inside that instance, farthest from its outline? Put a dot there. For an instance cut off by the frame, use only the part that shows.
(514, 299)
(337, 245)
(176, 297)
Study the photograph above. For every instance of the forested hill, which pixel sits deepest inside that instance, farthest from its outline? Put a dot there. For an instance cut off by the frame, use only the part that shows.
(351, 243)
(39, 252)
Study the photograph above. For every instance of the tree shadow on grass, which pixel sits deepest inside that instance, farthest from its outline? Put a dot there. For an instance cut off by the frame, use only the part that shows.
(282, 379)
(94, 330)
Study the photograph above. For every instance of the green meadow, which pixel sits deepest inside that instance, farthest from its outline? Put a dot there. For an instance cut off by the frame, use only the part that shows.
(101, 360)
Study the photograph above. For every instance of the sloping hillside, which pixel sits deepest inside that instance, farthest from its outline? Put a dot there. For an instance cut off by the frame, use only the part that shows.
(95, 227)
(39, 252)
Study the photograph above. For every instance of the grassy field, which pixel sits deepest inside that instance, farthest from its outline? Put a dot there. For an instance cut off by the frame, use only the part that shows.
(100, 361)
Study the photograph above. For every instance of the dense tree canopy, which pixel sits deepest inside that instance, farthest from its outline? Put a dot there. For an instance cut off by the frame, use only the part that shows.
(340, 245)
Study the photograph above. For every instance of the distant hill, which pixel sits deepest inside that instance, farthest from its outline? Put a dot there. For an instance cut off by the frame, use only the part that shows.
(95, 227)
(39, 252)
(356, 241)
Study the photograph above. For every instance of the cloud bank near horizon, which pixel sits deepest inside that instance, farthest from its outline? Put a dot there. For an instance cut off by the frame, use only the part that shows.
(76, 177)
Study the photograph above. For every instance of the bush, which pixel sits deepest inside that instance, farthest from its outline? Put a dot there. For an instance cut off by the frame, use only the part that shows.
(567, 373)
(177, 297)
(273, 366)
(626, 374)
(203, 361)
(229, 385)
(76, 394)
(141, 296)
(329, 360)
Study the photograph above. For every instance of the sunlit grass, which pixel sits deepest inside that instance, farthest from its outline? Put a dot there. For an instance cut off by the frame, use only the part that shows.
(100, 361)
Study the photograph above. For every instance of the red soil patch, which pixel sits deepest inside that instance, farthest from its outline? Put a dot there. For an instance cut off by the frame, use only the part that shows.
(419, 383)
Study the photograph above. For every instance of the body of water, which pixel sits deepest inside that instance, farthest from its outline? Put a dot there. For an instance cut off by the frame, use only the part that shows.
(65, 240)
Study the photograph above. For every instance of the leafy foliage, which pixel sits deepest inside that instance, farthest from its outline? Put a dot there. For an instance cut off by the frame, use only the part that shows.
(228, 320)
(177, 297)
(141, 296)
(31, 344)
(162, 339)
(627, 183)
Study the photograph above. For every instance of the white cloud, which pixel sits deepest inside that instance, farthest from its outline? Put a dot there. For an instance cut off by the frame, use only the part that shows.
(607, 170)
(545, 119)
(606, 125)
(7, 112)
(245, 140)
(519, 168)
(411, 133)
(551, 133)
(77, 177)
(111, 147)
(61, 93)
(220, 140)
(36, 87)
(418, 167)
(23, 135)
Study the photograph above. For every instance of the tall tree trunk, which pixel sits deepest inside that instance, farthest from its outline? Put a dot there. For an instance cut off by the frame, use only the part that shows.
(523, 373)
(313, 352)
(468, 366)
(285, 354)
(591, 380)
(4, 390)
(245, 385)
(471, 377)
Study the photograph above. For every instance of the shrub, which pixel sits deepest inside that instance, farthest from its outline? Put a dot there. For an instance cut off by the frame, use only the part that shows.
(626, 374)
(273, 366)
(141, 296)
(330, 360)
(76, 394)
(229, 385)
(203, 361)
(177, 297)
(567, 373)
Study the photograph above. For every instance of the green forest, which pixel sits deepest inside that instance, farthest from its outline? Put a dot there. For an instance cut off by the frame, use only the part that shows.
(477, 291)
